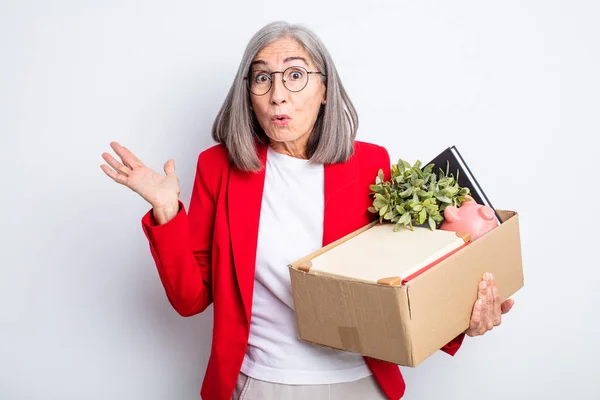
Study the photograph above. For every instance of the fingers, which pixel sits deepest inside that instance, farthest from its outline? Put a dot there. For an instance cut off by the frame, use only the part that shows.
(122, 179)
(506, 306)
(492, 307)
(475, 324)
(497, 314)
(169, 167)
(487, 320)
(486, 310)
(128, 158)
(478, 322)
(484, 296)
(116, 165)
(120, 170)
(490, 301)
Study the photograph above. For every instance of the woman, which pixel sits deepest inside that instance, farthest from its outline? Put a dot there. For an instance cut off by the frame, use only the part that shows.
(286, 178)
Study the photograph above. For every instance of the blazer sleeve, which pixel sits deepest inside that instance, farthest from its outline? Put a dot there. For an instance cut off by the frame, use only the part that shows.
(452, 346)
(181, 248)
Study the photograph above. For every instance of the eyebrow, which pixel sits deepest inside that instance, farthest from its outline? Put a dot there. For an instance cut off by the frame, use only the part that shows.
(288, 59)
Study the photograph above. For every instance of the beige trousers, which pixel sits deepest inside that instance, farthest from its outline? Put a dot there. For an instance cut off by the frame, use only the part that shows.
(248, 388)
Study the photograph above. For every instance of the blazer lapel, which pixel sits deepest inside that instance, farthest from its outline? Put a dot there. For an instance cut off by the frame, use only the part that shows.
(244, 199)
(341, 189)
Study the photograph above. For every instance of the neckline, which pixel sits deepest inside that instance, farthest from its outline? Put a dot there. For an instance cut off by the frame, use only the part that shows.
(281, 158)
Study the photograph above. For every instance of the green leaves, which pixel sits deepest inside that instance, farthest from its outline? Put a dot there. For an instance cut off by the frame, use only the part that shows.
(379, 177)
(422, 216)
(431, 223)
(376, 188)
(444, 199)
(406, 193)
(415, 196)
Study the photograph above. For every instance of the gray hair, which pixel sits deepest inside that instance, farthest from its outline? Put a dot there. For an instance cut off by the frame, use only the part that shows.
(236, 127)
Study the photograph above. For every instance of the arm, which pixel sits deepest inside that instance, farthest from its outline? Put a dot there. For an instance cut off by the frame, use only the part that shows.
(453, 346)
(181, 249)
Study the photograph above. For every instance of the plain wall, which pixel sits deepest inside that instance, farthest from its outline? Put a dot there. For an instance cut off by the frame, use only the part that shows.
(513, 84)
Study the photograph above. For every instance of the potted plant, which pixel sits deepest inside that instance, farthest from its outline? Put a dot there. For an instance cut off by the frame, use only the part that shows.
(415, 195)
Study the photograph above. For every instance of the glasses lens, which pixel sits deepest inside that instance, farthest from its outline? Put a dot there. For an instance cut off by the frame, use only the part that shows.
(295, 78)
(259, 82)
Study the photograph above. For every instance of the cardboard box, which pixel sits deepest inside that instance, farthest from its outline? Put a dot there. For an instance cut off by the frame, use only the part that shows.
(404, 322)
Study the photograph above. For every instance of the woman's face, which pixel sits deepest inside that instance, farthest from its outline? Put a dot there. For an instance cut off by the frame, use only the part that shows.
(286, 116)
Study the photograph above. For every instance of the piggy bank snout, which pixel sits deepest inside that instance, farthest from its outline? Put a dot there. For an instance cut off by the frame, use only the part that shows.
(451, 214)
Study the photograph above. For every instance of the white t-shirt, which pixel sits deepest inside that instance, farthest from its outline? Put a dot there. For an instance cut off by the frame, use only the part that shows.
(291, 226)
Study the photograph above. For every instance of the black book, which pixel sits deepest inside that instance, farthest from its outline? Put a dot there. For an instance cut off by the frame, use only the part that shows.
(450, 160)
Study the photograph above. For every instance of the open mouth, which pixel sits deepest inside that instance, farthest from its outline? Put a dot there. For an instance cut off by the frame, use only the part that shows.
(281, 120)
(280, 117)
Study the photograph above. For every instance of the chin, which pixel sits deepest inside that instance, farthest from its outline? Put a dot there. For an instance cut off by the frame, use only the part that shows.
(283, 137)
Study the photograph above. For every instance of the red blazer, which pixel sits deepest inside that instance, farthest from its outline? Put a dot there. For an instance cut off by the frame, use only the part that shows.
(208, 255)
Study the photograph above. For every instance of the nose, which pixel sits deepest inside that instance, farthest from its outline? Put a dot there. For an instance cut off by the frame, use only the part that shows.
(278, 91)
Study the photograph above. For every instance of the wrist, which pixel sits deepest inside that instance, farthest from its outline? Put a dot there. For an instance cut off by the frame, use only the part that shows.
(165, 213)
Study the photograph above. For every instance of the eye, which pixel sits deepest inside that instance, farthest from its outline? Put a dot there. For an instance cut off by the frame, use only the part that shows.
(261, 77)
(295, 74)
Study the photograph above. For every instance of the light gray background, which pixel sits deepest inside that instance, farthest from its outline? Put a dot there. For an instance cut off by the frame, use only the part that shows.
(514, 84)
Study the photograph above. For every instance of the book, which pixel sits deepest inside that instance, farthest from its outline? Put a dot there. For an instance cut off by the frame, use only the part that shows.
(450, 159)
(405, 254)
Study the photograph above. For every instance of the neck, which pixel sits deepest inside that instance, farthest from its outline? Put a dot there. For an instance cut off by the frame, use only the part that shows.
(296, 149)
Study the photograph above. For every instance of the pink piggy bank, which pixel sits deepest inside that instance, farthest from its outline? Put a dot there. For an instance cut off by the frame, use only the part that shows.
(470, 217)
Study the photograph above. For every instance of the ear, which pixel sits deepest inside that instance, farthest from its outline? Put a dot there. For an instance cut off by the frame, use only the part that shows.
(486, 213)
(451, 214)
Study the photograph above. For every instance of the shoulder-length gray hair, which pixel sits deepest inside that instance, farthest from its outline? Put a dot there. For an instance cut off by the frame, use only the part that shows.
(236, 127)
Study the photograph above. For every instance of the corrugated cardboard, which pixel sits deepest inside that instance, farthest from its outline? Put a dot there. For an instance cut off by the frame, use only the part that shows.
(406, 323)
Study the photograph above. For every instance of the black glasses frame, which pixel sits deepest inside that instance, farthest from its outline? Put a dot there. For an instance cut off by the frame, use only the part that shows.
(248, 83)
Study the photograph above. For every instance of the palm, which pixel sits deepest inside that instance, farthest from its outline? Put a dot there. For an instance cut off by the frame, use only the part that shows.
(155, 188)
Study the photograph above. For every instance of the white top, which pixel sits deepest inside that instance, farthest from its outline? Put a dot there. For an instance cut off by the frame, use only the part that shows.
(291, 226)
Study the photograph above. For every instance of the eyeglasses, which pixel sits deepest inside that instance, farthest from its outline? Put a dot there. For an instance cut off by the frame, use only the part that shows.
(294, 79)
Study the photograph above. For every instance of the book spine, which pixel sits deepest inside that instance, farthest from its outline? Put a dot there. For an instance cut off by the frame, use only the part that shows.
(432, 264)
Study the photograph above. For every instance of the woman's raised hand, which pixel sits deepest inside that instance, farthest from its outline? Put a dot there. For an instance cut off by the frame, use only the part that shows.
(161, 191)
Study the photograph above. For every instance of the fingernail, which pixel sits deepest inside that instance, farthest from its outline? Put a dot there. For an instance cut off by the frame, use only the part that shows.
(483, 284)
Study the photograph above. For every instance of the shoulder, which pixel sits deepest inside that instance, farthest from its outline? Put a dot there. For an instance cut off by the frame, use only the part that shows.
(211, 170)
(213, 161)
(216, 155)
(212, 166)
(366, 152)
(371, 158)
